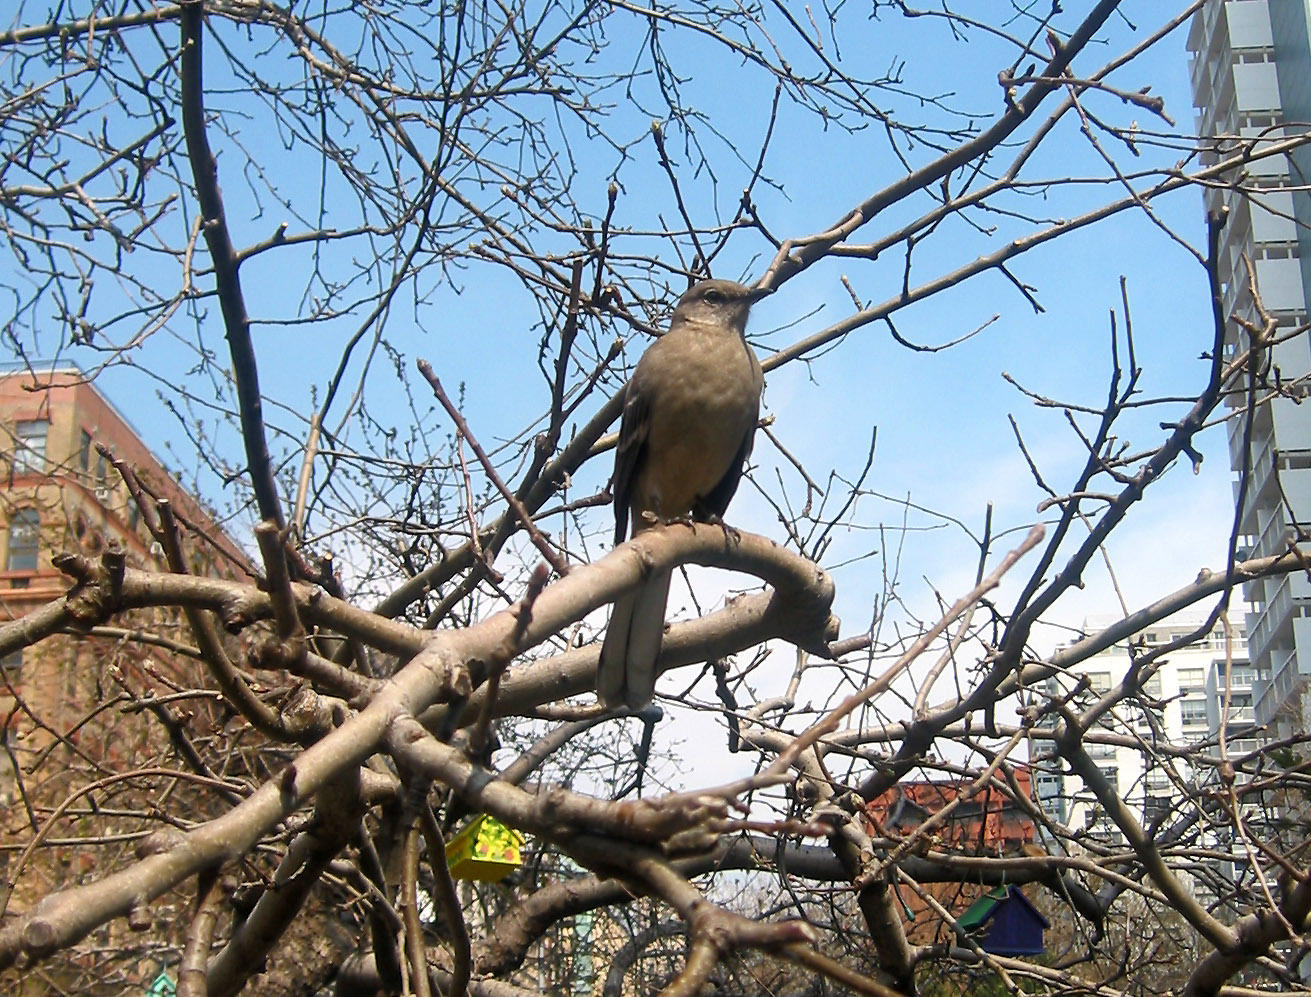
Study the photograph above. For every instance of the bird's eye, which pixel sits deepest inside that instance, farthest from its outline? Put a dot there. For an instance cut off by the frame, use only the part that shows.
(714, 297)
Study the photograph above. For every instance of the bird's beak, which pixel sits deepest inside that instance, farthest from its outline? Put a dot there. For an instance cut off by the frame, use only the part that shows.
(759, 292)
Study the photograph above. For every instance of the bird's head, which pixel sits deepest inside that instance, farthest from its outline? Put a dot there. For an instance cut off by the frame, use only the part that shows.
(718, 302)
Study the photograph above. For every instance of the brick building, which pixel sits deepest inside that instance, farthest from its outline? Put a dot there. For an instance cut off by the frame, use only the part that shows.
(83, 709)
(989, 822)
(58, 492)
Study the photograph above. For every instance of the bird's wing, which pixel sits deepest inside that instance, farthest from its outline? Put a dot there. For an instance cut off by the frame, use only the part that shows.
(714, 503)
(629, 455)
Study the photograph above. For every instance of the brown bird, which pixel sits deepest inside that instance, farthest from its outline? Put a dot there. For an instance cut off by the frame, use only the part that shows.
(688, 425)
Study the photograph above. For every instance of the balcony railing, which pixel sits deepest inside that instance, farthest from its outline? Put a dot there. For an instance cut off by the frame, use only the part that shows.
(1276, 611)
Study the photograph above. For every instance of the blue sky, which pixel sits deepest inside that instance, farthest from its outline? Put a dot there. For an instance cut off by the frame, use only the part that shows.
(944, 437)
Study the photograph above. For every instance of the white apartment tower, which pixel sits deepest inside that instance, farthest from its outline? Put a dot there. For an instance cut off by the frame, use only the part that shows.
(1251, 78)
(1198, 692)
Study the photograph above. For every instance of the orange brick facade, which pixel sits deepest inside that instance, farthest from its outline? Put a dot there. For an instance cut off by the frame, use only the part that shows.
(989, 822)
(76, 709)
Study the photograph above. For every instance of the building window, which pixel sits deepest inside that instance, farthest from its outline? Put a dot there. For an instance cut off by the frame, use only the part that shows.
(1294, 460)
(1240, 708)
(1267, 120)
(12, 662)
(1191, 678)
(1192, 712)
(1285, 251)
(1099, 682)
(1240, 676)
(1253, 55)
(24, 539)
(1106, 833)
(30, 446)
(84, 452)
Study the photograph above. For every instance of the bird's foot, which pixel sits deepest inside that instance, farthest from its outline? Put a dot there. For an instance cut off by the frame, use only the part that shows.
(730, 533)
(651, 519)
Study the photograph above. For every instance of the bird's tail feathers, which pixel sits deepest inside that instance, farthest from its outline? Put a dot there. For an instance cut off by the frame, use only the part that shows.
(626, 669)
(610, 667)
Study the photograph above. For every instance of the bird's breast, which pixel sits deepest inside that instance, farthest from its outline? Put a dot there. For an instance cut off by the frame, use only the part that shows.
(703, 395)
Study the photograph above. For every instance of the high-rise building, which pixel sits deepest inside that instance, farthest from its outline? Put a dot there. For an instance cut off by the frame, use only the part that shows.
(1198, 702)
(1251, 78)
(1196, 692)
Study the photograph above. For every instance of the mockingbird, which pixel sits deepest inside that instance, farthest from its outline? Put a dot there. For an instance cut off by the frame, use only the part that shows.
(689, 421)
